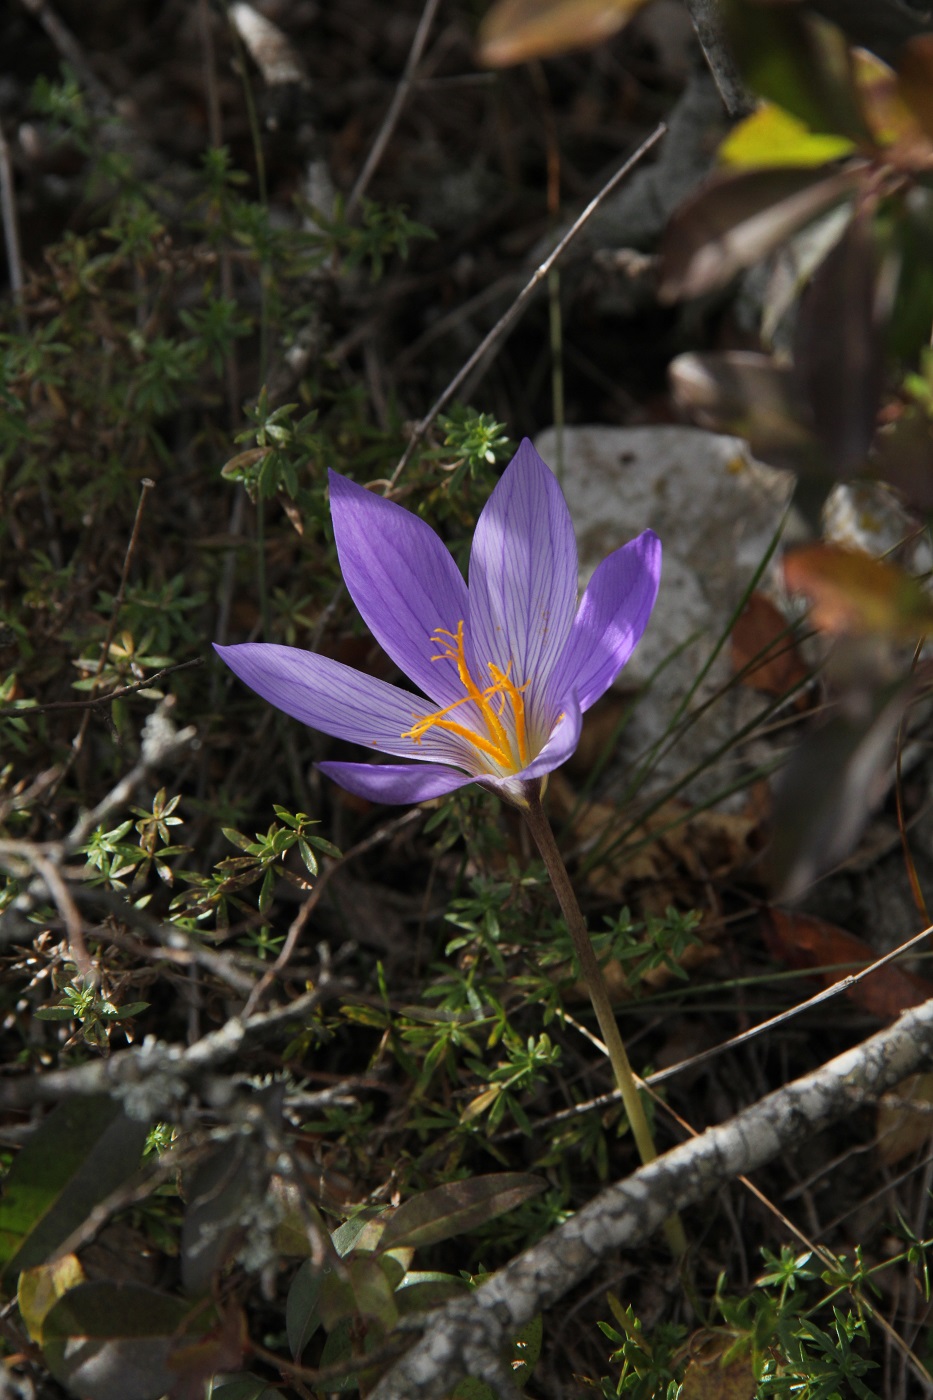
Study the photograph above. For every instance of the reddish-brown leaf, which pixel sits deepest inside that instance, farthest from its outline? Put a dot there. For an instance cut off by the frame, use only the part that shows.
(888, 111)
(915, 80)
(853, 594)
(804, 941)
(764, 650)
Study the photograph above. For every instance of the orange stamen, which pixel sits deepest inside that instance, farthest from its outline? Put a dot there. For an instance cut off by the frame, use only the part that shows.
(498, 744)
(512, 692)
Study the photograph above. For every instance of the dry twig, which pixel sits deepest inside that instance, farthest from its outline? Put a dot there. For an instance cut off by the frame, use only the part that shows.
(468, 1336)
(377, 149)
(507, 320)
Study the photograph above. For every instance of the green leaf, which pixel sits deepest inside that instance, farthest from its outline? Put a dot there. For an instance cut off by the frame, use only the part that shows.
(347, 1235)
(449, 1210)
(245, 1387)
(131, 1008)
(337, 1348)
(364, 1290)
(266, 891)
(112, 1341)
(82, 1152)
(326, 847)
(236, 838)
(798, 61)
(302, 1316)
(472, 1389)
(419, 1291)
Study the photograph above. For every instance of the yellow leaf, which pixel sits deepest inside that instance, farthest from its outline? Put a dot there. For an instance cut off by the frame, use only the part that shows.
(479, 1105)
(517, 30)
(771, 136)
(40, 1288)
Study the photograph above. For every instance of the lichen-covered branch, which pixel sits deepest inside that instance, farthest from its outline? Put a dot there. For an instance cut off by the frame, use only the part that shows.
(468, 1335)
(151, 1078)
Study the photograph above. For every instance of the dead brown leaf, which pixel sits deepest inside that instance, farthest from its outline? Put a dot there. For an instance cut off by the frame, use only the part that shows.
(764, 650)
(853, 594)
(708, 1379)
(515, 31)
(804, 941)
(903, 1129)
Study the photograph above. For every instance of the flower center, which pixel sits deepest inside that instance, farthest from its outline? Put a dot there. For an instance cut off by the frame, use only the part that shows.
(505, 740)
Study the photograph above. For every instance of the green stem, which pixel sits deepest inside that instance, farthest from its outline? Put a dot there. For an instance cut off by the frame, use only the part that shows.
(540, 828)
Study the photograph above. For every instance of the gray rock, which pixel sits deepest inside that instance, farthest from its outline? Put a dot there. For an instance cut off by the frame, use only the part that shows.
(716, 511)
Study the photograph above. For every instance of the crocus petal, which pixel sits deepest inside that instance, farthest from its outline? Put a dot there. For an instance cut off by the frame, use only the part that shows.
(391, 783)
(523, 579)
(403, 580)
(339, 701)
(556, 751)
(562, 743)
(613, 614)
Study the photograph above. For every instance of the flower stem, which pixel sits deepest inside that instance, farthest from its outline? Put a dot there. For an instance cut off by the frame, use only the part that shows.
(540, 829)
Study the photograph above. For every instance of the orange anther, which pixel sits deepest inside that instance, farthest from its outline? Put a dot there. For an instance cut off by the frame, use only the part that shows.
(508, 752)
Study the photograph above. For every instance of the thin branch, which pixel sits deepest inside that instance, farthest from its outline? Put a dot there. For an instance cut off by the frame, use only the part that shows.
(469, 1331)
(161, 743)
(68, 47)
(151, 1078)
(174, 944)
(27, 711)
(836, 989)
(395, 107)
(702, 1056)
(506, 321)
(64, 902)
(296, 928)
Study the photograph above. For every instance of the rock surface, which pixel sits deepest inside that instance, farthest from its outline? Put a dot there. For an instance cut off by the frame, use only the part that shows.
(716, 510)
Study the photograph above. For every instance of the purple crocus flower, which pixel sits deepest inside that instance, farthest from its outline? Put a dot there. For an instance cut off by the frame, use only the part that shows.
(509, 664)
